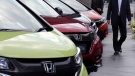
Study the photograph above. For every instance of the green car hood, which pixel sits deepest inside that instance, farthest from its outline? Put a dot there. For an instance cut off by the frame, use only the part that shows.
(35, 45)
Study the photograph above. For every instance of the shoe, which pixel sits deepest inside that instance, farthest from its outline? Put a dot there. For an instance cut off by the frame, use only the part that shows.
(116, 52)
(120, 50)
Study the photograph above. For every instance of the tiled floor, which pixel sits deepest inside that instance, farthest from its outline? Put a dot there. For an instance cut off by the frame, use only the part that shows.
(121, 65)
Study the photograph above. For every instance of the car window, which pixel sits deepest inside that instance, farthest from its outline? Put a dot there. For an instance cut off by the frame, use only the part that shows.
(40, 7)
(14, 16)
(76, 5)
(65, 8)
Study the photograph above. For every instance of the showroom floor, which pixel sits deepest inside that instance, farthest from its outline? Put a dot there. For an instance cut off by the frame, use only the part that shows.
(121, 65)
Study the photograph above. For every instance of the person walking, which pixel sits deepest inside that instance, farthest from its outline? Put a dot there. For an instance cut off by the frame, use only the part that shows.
(119, 11)
(97, 5)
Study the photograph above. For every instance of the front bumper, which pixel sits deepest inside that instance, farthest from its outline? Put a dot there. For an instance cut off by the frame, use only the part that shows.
(94, 57)
(95, 53)
(83, 71)
(34, 67)
(91, 48)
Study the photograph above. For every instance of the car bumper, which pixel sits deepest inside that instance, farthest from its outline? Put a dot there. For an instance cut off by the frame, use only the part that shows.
(35, 67)
(94, 57)
(104, 29)
(83, 71)
(96, 50)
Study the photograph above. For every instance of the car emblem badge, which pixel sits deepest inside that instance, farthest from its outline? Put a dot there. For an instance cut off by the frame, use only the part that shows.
(49, 67)
(77, 37)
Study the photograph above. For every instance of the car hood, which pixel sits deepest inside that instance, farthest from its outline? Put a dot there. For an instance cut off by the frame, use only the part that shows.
(72, 28)
(59, 20)
(67, 25)
(35, 45)
(92, 15)
(83, 19)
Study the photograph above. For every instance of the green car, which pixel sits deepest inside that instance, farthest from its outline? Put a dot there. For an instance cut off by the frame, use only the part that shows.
(29, 46)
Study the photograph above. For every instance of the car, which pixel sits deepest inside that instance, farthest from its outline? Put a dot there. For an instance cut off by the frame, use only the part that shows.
(82, 35)
(88, 12)
(64, 10)
(29, 46)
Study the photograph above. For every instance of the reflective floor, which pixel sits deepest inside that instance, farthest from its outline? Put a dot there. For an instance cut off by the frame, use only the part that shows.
(121, 65)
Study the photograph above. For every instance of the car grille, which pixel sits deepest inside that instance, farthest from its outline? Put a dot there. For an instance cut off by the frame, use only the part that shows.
(84, 42)
(34, 67)
(40, 60)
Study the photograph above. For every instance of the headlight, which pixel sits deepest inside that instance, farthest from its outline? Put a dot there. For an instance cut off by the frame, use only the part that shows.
(103, 19)
(94, 27)
(78, 61)
(87, 24)
(78, 58)
(4, 63)
(2, 74)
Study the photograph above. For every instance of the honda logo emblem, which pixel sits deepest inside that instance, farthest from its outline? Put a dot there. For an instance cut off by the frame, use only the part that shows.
(77, 37)
(49, 67)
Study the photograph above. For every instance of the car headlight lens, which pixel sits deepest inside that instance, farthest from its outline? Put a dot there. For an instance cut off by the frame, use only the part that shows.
(87, 24)
(3, 63)
(78, 61)
(78, 57)
(94, 27)
(2, 74)
(103, 19)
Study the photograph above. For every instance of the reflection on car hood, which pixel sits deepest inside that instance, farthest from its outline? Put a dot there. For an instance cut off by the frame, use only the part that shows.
(72, 28)
(67, 25)
(83, 19)
(60, 20)
(35, 45)
(92, 15)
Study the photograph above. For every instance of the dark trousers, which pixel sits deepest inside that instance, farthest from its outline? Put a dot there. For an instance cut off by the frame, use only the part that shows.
(119, 26)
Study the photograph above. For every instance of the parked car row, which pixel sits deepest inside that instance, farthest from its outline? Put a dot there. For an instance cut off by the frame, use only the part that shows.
(84, 10)
(49, 37)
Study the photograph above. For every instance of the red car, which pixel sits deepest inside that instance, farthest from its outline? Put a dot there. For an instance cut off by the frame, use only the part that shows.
(88, 12)
(80, 33)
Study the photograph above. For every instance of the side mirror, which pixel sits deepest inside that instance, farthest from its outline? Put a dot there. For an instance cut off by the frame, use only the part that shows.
(59, 10)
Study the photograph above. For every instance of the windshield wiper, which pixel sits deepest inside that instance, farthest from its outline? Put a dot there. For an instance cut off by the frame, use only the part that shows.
(8, 30)
(41, 29)
(4, 29)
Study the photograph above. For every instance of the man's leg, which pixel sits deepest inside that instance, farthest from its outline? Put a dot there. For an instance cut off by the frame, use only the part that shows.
(123, 33)
(115, 36)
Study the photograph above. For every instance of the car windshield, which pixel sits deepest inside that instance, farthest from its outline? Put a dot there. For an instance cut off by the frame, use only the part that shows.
(14, 16)
(40, 7)
(65, 8)
(76, 5)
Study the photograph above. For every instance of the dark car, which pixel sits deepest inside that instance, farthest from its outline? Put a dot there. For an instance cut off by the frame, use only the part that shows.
(84, 10)
(81, 34)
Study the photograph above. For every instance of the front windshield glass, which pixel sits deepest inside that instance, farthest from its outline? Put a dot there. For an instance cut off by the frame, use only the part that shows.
(65, 8)
(14, 16)
(76, 5)
(40, 7)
